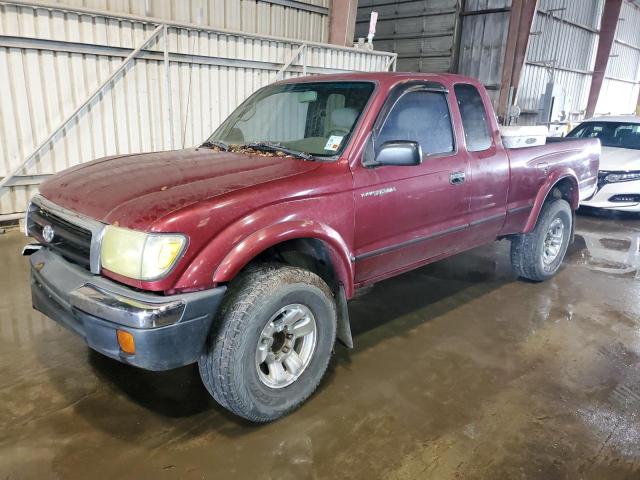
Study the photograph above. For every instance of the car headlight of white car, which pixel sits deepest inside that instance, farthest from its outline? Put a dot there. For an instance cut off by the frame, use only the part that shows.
(622, 177)
(140, 255)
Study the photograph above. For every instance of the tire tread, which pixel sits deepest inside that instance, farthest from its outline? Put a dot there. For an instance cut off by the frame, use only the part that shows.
(524, 251)
(242, 297)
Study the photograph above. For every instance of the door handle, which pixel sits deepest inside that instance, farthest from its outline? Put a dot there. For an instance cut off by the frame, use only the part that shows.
(456, 178)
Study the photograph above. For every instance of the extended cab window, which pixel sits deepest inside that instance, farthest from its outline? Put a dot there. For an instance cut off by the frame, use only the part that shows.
(421, 117)
(474, 118)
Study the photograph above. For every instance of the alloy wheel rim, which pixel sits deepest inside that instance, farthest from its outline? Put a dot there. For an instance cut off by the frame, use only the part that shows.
(286, 346)
(553, 242)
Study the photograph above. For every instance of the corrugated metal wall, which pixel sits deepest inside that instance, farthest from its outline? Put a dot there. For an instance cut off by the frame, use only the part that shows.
(485, 25)
(442, 36)
(566, 40)
(562, 45)
(300, 19)
(50, 60)
(421, 32)
(619, 94)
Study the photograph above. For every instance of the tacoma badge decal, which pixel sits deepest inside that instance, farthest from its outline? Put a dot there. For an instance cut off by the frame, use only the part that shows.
(377, 193)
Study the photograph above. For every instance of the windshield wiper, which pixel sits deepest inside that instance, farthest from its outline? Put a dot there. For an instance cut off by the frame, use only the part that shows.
(274, 147)
(215, 143)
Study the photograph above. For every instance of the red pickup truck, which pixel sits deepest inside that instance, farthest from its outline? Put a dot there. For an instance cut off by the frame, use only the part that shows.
(241, 254)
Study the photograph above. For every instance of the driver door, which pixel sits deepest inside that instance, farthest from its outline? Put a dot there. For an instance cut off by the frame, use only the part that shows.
(407, 215)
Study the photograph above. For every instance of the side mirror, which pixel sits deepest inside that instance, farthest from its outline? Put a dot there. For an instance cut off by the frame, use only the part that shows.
(400, 153)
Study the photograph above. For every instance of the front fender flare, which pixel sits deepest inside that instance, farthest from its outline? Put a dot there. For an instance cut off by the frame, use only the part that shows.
(258, 242)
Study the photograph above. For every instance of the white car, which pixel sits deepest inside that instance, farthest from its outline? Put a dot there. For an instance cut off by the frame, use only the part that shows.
(619, 175)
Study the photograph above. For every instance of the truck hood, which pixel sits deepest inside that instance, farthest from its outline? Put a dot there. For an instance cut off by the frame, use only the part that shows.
(619, 159)
(135, 190)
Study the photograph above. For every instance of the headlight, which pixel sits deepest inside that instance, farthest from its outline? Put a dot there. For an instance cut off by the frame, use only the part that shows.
(622, 177)
(139, 255)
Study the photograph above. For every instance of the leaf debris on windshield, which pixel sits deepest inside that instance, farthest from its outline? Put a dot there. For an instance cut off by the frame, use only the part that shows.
(251, 151)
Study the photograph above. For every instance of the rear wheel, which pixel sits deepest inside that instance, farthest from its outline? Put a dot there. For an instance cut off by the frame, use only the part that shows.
(273, 342)
(537, 255)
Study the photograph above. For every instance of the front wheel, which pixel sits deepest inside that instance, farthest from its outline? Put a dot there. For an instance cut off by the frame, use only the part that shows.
(537, 255)
(273, 342)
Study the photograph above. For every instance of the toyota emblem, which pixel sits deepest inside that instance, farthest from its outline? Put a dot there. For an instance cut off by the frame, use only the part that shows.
(48, 233)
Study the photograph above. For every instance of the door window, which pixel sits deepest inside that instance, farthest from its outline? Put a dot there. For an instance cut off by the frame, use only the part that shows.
(474, 118)
(422, 117)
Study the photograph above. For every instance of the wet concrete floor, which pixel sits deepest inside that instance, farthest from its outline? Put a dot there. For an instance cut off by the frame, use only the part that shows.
(459, 371)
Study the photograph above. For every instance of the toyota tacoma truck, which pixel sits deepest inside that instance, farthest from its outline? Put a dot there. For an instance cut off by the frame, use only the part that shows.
(241, 254)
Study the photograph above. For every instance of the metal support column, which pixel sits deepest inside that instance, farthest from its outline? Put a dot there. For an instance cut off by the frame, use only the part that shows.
(521, 19)
(608, 25)
(342, 22)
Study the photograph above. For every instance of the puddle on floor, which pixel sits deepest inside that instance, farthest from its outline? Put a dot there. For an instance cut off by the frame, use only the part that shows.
(612, 247)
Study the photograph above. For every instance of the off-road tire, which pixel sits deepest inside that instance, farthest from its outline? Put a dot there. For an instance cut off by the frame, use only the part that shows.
(527, 248)
(227, 366)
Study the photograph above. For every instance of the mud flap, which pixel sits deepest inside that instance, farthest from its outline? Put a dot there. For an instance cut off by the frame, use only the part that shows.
(573, 228)
(343, 332)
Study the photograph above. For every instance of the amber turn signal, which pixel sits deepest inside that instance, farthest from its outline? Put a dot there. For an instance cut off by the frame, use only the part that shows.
(126, 342)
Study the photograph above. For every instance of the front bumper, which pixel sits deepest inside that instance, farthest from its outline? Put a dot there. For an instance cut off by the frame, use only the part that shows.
(602, 197)
(169, 331)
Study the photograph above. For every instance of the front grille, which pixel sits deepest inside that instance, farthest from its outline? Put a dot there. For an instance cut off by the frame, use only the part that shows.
(70, 241)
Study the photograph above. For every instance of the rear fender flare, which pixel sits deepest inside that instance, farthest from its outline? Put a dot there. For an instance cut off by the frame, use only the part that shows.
(544, 191)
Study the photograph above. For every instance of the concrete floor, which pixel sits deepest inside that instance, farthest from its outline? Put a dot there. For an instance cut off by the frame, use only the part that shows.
(459, 371)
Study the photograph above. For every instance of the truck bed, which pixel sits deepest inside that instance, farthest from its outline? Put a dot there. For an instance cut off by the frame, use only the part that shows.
(533, 167)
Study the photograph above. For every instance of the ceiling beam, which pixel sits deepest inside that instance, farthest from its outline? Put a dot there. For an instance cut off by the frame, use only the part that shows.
(610, 17)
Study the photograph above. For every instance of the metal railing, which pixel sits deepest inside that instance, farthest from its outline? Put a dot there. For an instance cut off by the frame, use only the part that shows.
(47, 142)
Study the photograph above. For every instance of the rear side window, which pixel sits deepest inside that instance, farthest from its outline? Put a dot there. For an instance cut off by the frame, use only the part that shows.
(474, 118)
(421, 117)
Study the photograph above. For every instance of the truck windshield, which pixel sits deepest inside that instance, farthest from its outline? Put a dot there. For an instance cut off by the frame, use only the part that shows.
(611, 134)
(310, 118)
